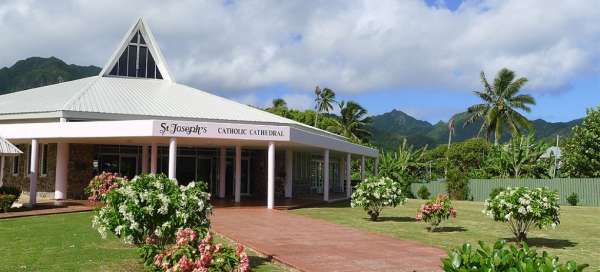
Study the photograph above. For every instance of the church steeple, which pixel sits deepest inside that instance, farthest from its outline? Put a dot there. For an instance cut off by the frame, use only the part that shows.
(138, 56)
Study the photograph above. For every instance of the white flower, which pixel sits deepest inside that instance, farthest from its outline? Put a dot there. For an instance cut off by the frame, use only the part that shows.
(522, 210)
(553, 225)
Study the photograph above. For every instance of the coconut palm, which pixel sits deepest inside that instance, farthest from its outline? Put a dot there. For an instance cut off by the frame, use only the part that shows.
(352, 122)
(500, 104)
(324, 102)
(279, 104)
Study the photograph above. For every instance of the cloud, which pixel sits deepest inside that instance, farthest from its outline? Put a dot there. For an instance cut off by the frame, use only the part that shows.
(232, 47)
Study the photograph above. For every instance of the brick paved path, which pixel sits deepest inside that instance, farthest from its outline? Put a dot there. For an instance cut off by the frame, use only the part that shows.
(314, 245)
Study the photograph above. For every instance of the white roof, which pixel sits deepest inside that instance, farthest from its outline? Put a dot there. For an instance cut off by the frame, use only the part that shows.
(8, 149)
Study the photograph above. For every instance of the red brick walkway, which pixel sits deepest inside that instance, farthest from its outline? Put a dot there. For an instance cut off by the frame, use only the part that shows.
(315, 245)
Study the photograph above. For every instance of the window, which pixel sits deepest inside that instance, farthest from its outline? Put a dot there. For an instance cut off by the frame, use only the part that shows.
(136, 60)
(44, 162)
(16, 164)
(28, 161)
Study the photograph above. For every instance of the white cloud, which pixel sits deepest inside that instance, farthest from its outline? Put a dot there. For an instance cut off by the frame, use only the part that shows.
(299, 101)
(351, 46)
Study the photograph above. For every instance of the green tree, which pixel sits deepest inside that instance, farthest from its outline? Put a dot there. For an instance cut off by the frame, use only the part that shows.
(352, 122)
(279, 104)
(522, 153)
(324, 101)
(404, 165)
(499, 106)
(581, 154)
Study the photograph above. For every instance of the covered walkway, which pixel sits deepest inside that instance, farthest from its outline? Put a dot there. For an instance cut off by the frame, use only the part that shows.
(314, 245)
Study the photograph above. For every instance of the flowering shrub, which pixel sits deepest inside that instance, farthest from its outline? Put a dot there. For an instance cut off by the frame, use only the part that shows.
(522, 207)
(6, 202)
(101, 184)
(191, 252)
(435, 211)
(150, 209)
(501, 258)
(374, 193)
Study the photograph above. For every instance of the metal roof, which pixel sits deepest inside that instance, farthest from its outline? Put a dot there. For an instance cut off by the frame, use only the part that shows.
(8, 149)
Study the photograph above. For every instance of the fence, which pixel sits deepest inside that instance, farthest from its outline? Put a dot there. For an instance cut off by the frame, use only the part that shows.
(587, 189)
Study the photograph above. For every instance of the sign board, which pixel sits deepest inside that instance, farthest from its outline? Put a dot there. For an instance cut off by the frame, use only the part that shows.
(221, 130)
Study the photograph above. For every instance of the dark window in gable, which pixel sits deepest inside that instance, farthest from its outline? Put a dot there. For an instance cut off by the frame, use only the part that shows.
(136, 60)
(143, 64)
(132, 61)
(123, 63)
(151, 66)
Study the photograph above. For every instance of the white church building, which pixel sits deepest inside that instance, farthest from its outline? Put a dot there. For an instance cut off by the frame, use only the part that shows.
(135, 118)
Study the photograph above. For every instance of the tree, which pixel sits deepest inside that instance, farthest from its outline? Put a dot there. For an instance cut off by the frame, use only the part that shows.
(581, 156)
(500, 104)
(279, 104)
(404, 166)
(325, 100)
(521, 152)
(352, 122)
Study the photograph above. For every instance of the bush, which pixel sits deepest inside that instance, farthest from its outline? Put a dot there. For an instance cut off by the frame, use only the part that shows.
(435, 211)
(423, 192)
(192, 252)
(495, 192)
(458, 184)
(101, 184)
(374, 193)
(573, 199)
(11, 190)
(6, 202)
(503, 258)
(581, 151)
(522, 207)
(150, 209)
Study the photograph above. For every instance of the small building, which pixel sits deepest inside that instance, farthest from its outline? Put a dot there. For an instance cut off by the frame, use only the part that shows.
(135, 118)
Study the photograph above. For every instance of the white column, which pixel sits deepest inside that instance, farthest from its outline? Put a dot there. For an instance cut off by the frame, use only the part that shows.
(326, 175)
(173, 158)
(1, 171)
(222, 171)
(348, 175)
(62, 171)
(33, 173)
(144, 159)
(153, 158)
(376, 170)
(238, 172)
(271, 176)
(289, 171)
(362, 167)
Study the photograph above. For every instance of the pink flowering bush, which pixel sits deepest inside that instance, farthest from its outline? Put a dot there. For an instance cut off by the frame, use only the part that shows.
(101, 184)
(194, 252)
(435, 211)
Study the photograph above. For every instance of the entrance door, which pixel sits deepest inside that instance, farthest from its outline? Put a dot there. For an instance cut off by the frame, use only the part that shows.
(128, 166)
(205, 173)
(245, 189)
(186, 170)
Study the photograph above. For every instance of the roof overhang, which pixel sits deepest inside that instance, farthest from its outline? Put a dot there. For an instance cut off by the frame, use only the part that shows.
(186, 130)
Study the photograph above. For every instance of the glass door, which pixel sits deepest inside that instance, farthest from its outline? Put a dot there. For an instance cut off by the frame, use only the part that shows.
(128, 166)
(186, 169)
(245, 189)
(205, 174)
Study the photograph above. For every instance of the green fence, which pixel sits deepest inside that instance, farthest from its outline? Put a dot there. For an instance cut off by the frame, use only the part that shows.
(588, 190)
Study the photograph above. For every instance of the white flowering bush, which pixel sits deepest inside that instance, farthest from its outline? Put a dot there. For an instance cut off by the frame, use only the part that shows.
(149, 209)
(374, 193)
(522, 208)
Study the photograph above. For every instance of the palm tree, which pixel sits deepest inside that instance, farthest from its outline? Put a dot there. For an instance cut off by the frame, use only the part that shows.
(279, 104)
(324, 102)
(352, 122)
(500, 104)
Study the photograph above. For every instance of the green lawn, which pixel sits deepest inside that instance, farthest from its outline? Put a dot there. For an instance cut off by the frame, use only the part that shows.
(577, 237)
(67, 242)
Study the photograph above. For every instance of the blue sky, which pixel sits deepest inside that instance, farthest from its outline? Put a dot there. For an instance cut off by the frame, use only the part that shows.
(421, 57)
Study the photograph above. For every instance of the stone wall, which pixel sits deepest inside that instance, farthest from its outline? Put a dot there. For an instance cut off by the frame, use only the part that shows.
(81, 171)
(45, 185)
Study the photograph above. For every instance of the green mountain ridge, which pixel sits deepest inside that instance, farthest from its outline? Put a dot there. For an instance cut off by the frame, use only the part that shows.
(37, 71)
(391, 128)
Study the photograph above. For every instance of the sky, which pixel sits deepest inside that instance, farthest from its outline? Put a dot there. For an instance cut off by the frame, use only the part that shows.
(421, 57)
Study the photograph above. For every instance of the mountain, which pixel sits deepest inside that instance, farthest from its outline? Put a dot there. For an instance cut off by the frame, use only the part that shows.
(36, 72)
(391, 128)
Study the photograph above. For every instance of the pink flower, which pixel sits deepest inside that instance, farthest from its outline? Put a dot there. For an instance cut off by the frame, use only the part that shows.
(239, 250)
(419, 217)
(158, 260)
(185, 236)
(244, 263)
(185, 264)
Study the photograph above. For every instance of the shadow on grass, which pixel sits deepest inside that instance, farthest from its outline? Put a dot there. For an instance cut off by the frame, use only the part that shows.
(547, 242)
(449, 229)
(394, 219)
(256, 261)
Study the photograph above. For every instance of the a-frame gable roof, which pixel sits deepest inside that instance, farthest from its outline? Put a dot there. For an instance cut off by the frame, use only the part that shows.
(138, 55)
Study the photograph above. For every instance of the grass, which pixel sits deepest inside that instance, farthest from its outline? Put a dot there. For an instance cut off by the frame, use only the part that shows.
(576, 238)
(67, 242)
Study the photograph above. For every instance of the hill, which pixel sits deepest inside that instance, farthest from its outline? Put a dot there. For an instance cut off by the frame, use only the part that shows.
(390, 128)
(36, 72)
